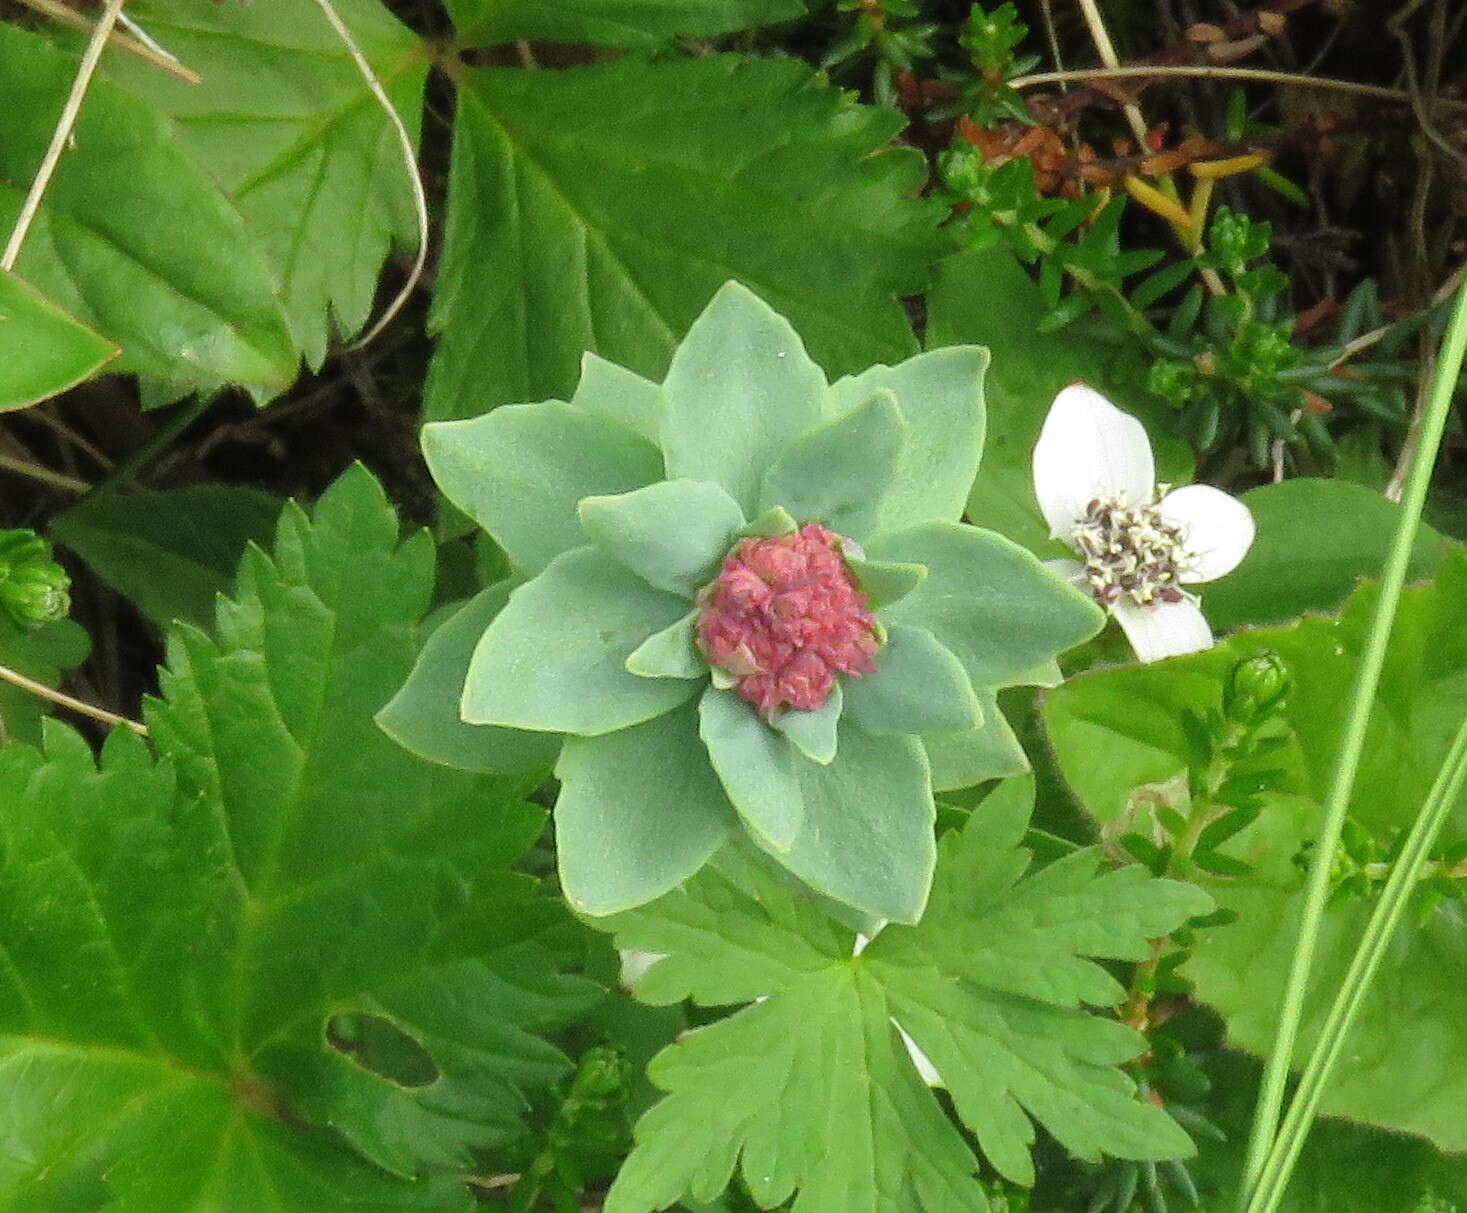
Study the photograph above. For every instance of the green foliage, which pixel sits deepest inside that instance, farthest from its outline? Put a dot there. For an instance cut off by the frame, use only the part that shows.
(599, 643)
(189, 299)
(285, 124)
(1225, 360)
(551, 250)
(990, 39)
(885, 37)
(43, 351)
(196, 945)
(991, 986)
(1123, 737)
(618, 23)
(1316, 538)
(170, 553)
(987, 298)
(41, 654)
(1344, 1168)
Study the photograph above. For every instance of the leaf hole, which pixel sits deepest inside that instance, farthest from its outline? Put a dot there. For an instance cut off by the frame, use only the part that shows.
(379, 1045)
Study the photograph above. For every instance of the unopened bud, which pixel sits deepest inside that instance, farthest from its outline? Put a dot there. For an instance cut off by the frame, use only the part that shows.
(34, 589)
(1256, 687)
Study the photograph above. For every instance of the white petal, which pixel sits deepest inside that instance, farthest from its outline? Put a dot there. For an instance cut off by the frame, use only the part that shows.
(1068, 570)
(1167, 629)
(634, 964)
(919, 1059)
(1088, 448)
(1217, 529)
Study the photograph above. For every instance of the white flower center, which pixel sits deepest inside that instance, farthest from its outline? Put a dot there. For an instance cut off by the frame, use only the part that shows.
(1131, 551)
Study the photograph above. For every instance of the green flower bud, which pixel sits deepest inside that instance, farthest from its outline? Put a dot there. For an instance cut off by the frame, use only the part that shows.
(1234, 240)
(602, 1075)
(1256, 687)
(34, 589)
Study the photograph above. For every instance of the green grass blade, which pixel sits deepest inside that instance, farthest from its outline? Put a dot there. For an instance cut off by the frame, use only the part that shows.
(1276, 1068)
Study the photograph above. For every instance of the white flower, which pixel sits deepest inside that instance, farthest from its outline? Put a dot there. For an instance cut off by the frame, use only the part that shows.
(1138, 544)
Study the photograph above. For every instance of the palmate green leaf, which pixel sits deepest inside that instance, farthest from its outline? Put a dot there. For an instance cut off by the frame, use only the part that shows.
(1116, 730)
(987, 298)
(761, 172)
(133, 239)
(286, 124)
(989, 985)
(170, 553)
(43, 351)
(618, 23)
(182, 939)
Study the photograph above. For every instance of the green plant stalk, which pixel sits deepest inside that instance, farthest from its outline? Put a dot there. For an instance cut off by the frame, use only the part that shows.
(1384, 921)
(1347, 763)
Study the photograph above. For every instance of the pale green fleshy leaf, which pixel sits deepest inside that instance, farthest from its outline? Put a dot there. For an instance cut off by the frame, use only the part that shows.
(991, 751)
(759, 768)
(918, 687)
(423, 717)
(813, 733)
(739, 390)
(520, 471)
(941, 398)
(771, 524)
(837, 474)
(621, 395)
(555, 658)
(885, 582)
(867, 836)
(988, 600)
(672, 534)
(670, 653)
(640, 810)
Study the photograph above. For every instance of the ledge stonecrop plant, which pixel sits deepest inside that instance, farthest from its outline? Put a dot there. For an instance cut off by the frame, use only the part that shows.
(747, 606)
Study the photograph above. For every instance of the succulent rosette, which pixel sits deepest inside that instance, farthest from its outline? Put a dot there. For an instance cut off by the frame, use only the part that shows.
(744, 603)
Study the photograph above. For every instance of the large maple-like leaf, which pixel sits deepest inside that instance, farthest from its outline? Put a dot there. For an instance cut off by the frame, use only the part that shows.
(601, 207)
(194, 950)
(810, 1088)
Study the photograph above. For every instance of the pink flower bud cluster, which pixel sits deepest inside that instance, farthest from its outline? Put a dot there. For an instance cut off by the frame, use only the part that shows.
(784, 617)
